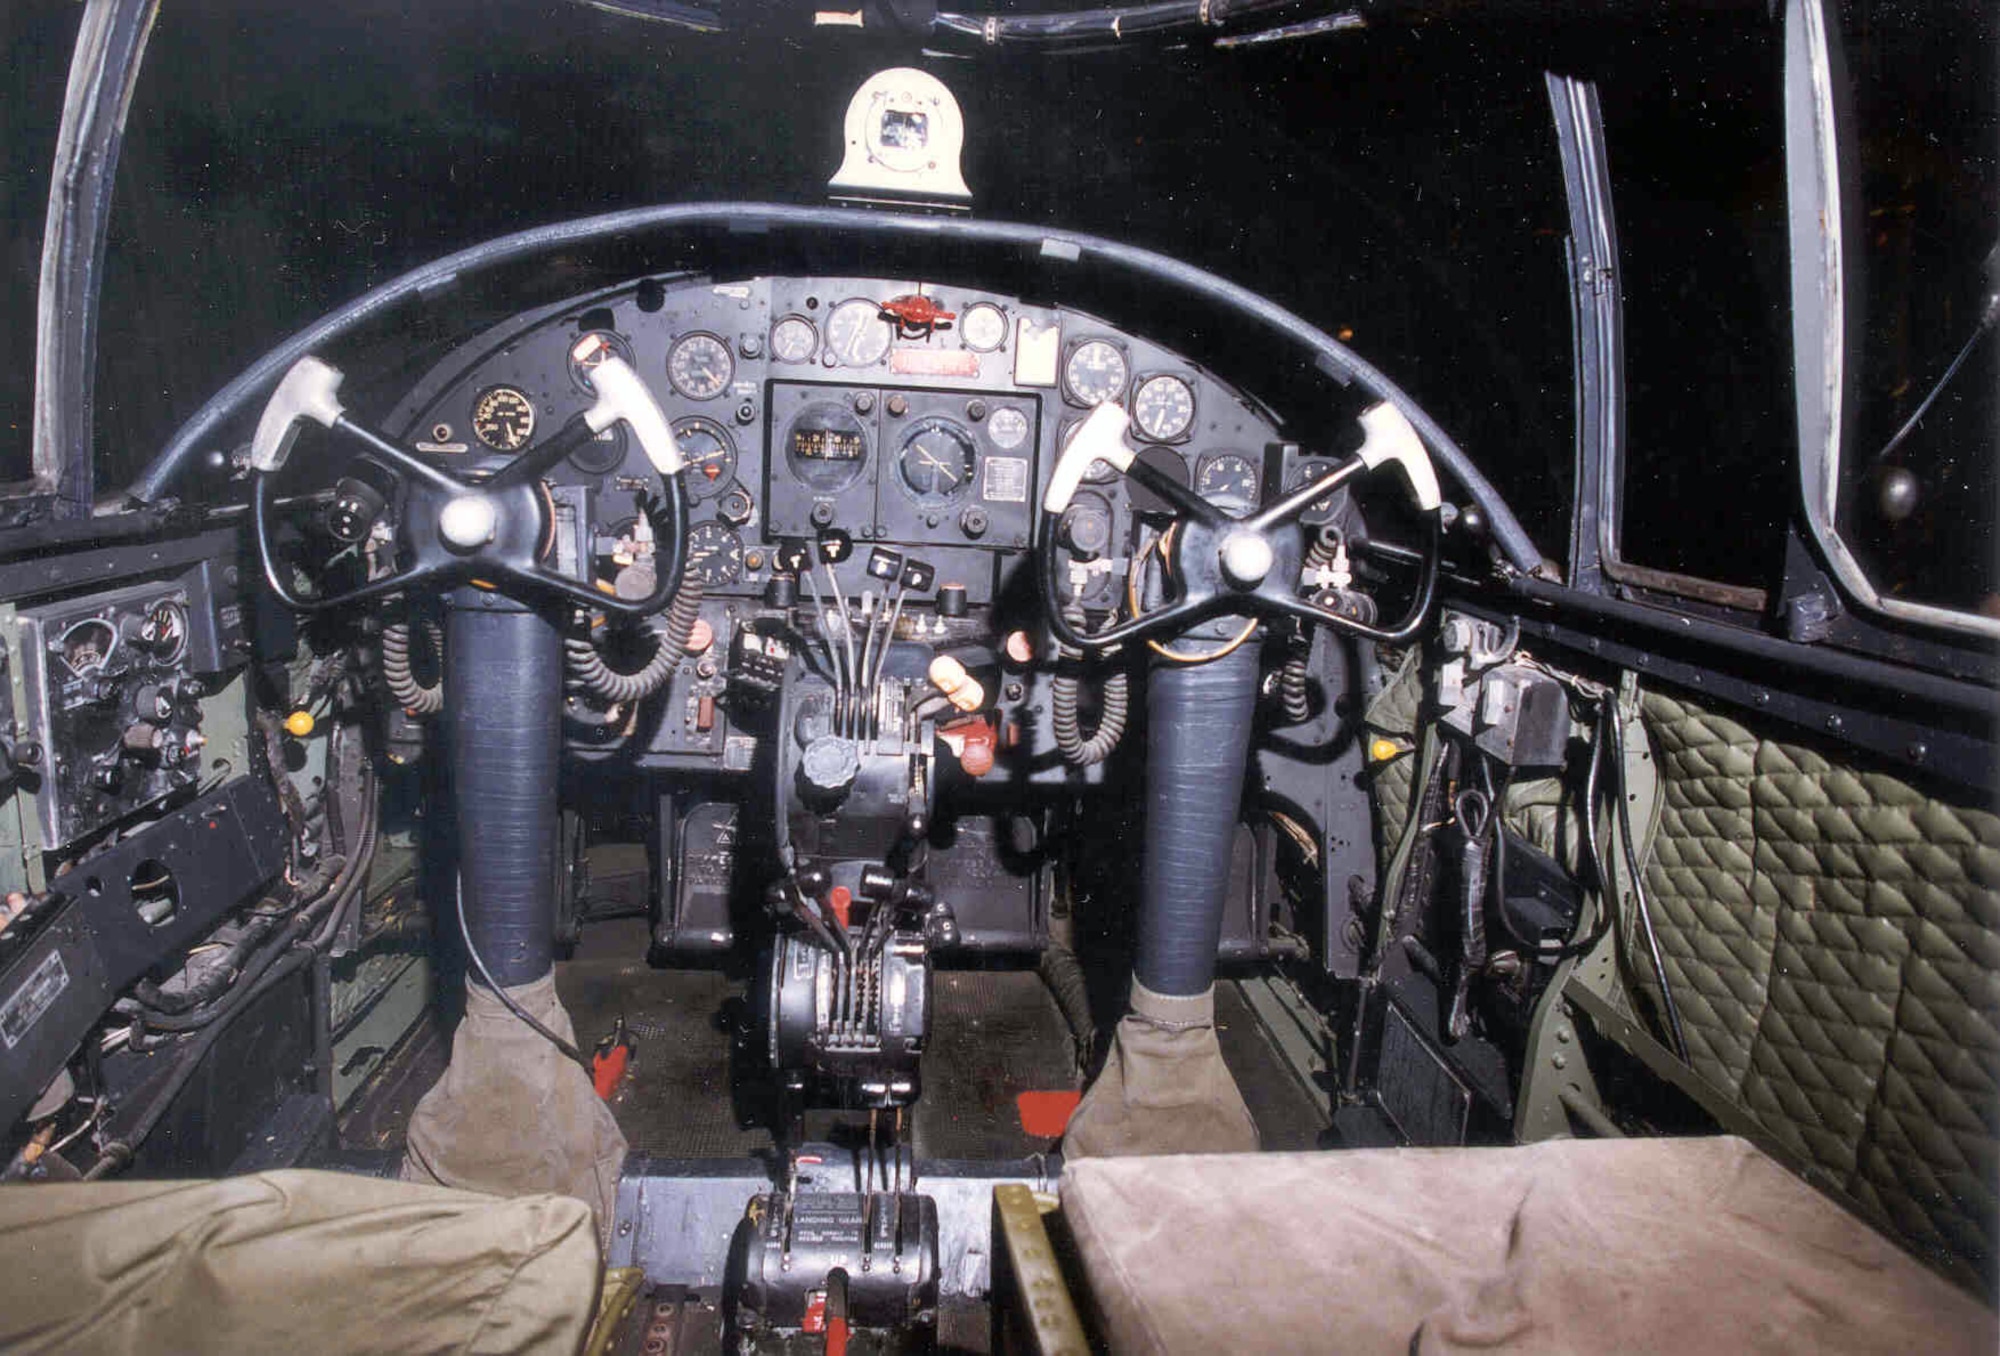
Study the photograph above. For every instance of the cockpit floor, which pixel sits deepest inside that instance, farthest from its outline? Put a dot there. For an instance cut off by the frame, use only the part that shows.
(695, 1088)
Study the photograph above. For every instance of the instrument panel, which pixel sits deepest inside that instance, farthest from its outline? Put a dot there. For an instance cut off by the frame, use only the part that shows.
(892, 411)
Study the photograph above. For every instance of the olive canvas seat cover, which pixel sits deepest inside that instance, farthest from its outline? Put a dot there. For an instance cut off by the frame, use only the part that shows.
(293, 1261)
(1665, 1245)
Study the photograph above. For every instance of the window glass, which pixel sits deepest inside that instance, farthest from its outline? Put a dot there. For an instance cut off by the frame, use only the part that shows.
(1397, 186)
(1920, 515)
(1695, 133)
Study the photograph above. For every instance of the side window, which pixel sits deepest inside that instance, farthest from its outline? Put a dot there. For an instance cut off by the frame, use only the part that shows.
(1694, 131)
(1917, 493)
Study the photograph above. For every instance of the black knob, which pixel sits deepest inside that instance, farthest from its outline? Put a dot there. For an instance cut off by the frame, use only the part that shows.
(951, 600)
(1472, 522)
(782, 591)
(1086, 529)
(974, 523)
(735, 507)
(830, 765)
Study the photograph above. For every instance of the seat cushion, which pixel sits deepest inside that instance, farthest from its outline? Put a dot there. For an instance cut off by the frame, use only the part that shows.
(1702, 1245)
(301, 1261)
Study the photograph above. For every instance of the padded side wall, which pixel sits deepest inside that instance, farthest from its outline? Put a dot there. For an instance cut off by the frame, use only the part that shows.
(1833, 939)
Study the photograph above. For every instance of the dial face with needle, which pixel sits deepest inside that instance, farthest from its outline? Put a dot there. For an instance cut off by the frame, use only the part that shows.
(699, 366)
(857, 335)
(504, 419)
(710, 454)
(937, 462)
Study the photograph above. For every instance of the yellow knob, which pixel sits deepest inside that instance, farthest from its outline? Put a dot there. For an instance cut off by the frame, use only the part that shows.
(299, 724)
(1382, 750)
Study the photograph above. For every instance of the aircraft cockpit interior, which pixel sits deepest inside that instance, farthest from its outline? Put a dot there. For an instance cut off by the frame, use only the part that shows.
(1208, 675)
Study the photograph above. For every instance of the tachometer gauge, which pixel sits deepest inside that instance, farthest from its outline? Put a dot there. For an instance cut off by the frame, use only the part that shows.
(710, 454)
(592, 348)
(983, 327)
(1227, 480)
(857, 334)
(1007, 427)
(86, 645)
(504, 419)
(1096, 372)
(714, 554)
(793, 340)
(699, 366)
(937, 462)
(1163, 408)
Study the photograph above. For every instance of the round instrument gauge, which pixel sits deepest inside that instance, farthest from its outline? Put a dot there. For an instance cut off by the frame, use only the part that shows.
(1100, 471)
(857, 335)
(699, 366)
(1163, 408)
(87, 645)
(714, 554)
(937, 462)
(793, 340)
(1227, 480)
(590, 349)
(1096, 372)
(164, 632)
(603, 453)
(710, 454)
(504, 419)
(1007, 427)
(983, 327)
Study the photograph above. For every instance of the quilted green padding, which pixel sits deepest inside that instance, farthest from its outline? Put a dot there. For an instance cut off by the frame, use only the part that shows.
(1394, 712)
(1833, 939)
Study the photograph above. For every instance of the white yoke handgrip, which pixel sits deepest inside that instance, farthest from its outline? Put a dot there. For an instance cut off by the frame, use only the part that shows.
(1102, 438)
(621, 395)
(308, 391)
(1390, 438)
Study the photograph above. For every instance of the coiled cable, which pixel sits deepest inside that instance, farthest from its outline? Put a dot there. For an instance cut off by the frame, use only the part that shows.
(410, 694)
(589, 671)
(1066, 696)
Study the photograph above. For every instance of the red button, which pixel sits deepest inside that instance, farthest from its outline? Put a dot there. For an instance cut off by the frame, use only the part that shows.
(840, 900)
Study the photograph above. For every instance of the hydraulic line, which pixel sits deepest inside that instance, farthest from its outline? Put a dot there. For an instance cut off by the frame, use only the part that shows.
(587, 668)
(118, 1152)
(1670, 1008)
(410, 694)
(1066, 695)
